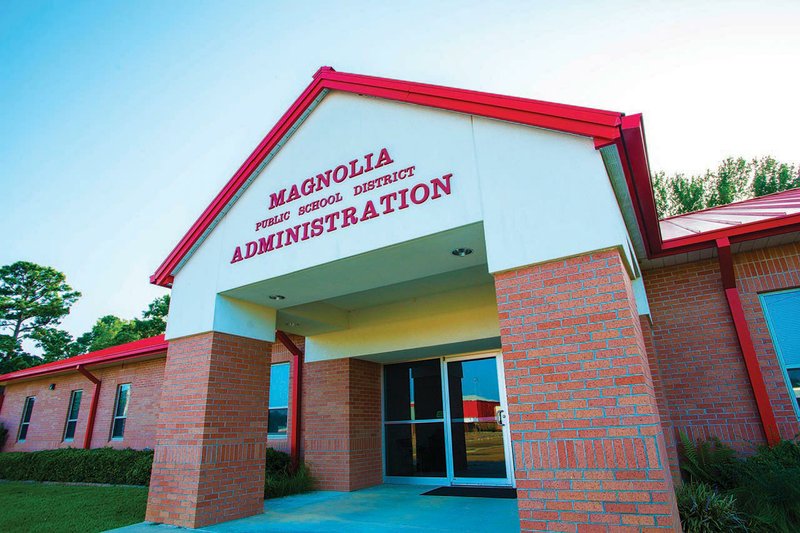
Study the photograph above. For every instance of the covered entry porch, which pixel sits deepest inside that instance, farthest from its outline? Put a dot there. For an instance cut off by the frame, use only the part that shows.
(445, 234)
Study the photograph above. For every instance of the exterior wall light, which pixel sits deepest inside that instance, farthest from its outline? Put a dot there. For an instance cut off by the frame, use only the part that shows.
(461, 252)
(277, 297)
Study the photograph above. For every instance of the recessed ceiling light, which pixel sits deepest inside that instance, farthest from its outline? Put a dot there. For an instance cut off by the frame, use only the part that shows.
(292, 324)
(462, 252)
(277, 297)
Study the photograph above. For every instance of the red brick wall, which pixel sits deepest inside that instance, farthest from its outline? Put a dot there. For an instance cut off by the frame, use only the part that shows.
(341, 409)
(211, 433)
(769, 270)
(49, 415)
(661, 398)
(705, 380)
(588, 444)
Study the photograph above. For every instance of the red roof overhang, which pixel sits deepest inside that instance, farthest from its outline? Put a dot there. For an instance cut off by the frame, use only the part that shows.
(745, 220)
(605, 127)
(124, 352)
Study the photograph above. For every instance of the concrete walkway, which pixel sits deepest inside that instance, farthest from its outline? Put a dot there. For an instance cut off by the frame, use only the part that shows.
(386, 508)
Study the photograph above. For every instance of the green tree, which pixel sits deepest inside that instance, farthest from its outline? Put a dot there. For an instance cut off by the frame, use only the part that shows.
(733, 180)
(154, 318)
(33, 298)
(111, 330)
(55, 344)
(105, 332)
(771, 176)
(729, 183)
(661, 194)
(686, 194)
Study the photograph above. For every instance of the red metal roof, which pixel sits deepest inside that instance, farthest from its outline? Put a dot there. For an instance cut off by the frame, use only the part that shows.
(130, 350)
(750, 218)
(605, 127)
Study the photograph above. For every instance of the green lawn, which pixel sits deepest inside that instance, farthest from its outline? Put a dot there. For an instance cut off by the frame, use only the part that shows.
(51, 508)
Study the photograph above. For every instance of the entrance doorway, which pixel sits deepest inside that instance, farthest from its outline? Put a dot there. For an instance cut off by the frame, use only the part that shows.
(446, 422)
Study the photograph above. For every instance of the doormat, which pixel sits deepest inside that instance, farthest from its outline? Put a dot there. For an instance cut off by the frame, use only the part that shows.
(474, 492)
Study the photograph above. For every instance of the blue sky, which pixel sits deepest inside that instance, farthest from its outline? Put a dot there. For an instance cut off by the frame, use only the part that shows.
(119, 121)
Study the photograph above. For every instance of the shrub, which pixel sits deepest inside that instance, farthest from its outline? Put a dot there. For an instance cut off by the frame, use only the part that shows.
(704, 510)
(763, 488)
(101, 465)
(278, 463)
(709, 462)
(281, 480)
(767, 487)
(3, 435)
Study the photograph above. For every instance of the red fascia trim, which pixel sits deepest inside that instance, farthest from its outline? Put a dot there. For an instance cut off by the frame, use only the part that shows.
(632, 149)
(87, 438)
(295, 392)
(746, 343)
(599, 124)
(123, 355)
(753, 230)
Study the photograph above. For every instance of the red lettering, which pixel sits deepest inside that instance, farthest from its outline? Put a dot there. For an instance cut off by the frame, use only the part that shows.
(277, 199)
(420, 187)
(384, 158)
(368, 157)
(294, 194)
(349, 216)
(265, 245)
(292, 235)
(323, 180)
(316, 227)
(250, 249)
(307, 187)
(403, 201)
(441, 185)
(330, 218)
(237, 255)
(369, 211)
(353, 171)
(386, 202)
(340, 174)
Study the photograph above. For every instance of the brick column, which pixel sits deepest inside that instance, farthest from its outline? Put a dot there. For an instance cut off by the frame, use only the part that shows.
(212, 429)
(342, 423)
(589, 448)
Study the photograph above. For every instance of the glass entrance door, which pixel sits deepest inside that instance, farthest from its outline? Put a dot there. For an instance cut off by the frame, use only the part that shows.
(478, 421)
(445, 422)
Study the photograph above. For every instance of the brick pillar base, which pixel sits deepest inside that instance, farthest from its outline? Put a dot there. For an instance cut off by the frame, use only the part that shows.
(588, 444)
(342, 423)
(212, 430)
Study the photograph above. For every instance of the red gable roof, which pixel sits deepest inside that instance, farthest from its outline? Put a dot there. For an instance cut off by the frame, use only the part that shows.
(605, 127)
(753, 218)
(130, 350)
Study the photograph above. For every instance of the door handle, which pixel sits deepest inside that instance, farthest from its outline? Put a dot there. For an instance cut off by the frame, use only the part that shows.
(498, 416)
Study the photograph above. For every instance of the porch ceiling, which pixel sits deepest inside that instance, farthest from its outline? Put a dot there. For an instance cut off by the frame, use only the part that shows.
(318, 300)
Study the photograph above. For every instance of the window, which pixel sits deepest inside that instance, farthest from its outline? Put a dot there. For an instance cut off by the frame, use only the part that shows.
(120, 411)
(278, 400)
(72, 415)
(782, 311)
(27, 410)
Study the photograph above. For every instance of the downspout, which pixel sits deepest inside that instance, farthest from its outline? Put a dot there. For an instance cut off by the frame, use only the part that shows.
(294, 391)
(87, 439)
(746, 342)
